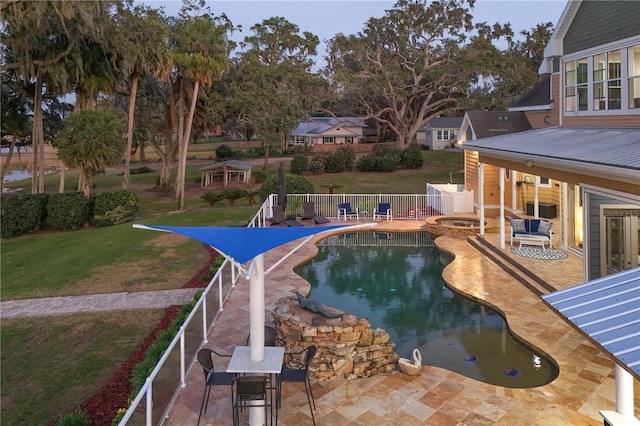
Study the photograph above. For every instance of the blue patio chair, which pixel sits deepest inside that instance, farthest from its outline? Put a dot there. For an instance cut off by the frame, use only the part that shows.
(346, 211)
(383, 211)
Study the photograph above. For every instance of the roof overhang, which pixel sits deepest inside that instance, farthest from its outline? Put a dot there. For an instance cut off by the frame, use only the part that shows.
(609, 153)
(607, 311)
(532, 108)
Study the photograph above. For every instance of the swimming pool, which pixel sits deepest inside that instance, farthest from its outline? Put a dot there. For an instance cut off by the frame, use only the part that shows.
(395, 280)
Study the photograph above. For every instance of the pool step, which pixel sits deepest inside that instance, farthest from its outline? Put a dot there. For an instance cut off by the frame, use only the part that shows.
(527, 277)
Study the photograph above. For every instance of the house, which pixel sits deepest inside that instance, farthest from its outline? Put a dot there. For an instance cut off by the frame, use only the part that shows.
(328, 131)
(439, 133)
(583, 150)
(226, 172)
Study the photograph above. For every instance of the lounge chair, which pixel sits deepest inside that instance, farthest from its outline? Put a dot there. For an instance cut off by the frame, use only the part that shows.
(279, 218)
(309, 213)
(345, 211)
(382, 211)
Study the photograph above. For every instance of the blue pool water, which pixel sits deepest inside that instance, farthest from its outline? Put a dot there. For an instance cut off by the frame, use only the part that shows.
(395, 280)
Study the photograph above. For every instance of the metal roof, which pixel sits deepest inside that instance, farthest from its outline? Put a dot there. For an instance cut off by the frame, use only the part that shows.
(607, 310)
(606, 146)
(234, 164)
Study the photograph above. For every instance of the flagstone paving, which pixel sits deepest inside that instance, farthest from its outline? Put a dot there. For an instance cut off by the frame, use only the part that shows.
(585, 384)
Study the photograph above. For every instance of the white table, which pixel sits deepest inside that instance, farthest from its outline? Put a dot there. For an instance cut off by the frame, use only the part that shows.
(532, 240)
(270, 364)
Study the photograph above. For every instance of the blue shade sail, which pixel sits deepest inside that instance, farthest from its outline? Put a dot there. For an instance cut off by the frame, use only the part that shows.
(243, 244)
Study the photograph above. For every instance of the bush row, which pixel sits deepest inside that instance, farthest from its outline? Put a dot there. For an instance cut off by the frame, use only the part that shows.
(390, 159)
(225, 152)
(331, 162)
(28, 213)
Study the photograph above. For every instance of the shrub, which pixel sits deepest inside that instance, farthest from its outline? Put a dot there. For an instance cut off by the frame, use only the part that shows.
(233, 194)
(141, 170)
(411, 157)
(259, 176)
(224, 152)
(299, 164)
(22, 214)
(115, 207)
(333, 163)
(366, 163)
(68, 210)
(388, 163)
(316, 167)
(347, 156)
(295, 185)
(212, 197)
(77, 418)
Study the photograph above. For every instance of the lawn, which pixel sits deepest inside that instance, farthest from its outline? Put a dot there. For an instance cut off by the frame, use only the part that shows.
(49, 365)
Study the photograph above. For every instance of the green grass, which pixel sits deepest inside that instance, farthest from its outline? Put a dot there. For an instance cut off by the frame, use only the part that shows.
(51, 364)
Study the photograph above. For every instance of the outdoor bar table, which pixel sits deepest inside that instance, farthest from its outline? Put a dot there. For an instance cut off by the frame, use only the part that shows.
(270, 364)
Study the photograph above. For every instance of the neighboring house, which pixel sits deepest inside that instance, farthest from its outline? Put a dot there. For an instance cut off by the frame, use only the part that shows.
(585, 144)
(439, 133)
(329, 131)
(226, 172)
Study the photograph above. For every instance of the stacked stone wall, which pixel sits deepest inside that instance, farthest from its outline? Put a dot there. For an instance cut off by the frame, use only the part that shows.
(347, 346)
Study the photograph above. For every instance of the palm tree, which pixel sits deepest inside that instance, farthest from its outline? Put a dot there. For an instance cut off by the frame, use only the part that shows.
(91, 140)
(201, 54)
(143, 51)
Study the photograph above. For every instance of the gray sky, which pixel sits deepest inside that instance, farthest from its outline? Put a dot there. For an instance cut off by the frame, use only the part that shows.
(329, 17)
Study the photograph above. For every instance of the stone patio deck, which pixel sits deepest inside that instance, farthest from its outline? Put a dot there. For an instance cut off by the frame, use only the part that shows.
(435, 396)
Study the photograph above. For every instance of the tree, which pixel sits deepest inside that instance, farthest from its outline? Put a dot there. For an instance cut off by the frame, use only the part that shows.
(272, 84)
(143, 51)
(37, 36)
(91, 140)
(14, 117)
(200, 53)
(413, 64)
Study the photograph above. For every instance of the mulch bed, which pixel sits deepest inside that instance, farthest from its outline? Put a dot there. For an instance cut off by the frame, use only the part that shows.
(103, 406)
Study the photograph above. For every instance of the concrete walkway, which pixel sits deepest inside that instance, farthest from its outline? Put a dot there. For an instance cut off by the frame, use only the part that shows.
(47, 306)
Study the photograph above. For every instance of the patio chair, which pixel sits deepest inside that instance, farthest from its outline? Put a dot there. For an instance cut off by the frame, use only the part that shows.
(382, 211)
(211, 377)
(309, 213)
(270, 337)
(279, 218)
(251, 392)
(300, 375)
(346, 211)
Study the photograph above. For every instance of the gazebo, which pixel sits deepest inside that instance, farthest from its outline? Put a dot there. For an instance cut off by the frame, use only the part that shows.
(230, 170)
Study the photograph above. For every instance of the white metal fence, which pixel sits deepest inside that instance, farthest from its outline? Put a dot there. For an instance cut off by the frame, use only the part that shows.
(153, 401)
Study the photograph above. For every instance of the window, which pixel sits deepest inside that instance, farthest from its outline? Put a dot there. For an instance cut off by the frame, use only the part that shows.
(633, 65)
(599, 82)
(348, 139)
(329, 139)
(445, 135)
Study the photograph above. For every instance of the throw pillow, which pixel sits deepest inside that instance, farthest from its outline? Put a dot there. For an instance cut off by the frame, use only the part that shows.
(517, 226)
(544, 227)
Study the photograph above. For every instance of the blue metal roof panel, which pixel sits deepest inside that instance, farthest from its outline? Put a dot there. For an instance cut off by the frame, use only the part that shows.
(608, 311)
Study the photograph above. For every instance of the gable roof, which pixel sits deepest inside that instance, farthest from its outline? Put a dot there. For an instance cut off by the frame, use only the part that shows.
(233, 164)
(318, 125)
(493, 123)
(600, 22)
(445, 123)
(539, 97)
(604, 151)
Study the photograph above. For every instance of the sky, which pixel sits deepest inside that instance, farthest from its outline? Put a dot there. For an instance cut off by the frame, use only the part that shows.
(330, 17)
(326, 18)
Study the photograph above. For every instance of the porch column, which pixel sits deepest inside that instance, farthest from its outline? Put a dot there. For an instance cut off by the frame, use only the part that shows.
(481, 196)
(501, 208)
(536, 185)
(624, 392)
(256, 308)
